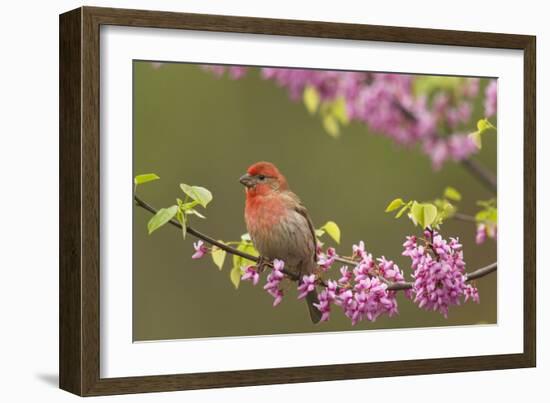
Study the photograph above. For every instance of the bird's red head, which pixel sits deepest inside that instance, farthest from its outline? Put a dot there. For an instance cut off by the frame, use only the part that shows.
(262, 178)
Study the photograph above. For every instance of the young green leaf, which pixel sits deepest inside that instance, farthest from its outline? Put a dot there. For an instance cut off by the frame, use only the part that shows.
(235, 276)
(332, 229)
(483, 125)
(161, 217)
(430, 214)
(197, 193)
(394, 205)
(339, 111)
(141, 179)
(403, 209)
(331, 126)
(218, 256)
(180, 216)
(311, 99)
(239, 262)
(452, 194)
(423, 214)
(417, 213)
(194, 212)
(476, 138)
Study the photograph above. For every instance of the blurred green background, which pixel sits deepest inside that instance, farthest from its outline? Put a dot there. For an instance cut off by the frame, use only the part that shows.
(192, 127)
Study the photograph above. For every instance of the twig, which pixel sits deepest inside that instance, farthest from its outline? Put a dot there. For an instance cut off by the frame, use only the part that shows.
(482, 272)
(229, 249)
(463, 217)
(190, 230)
(480, 172)
(475, 168)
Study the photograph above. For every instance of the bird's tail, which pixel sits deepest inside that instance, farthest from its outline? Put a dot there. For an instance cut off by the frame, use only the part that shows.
(314, 313)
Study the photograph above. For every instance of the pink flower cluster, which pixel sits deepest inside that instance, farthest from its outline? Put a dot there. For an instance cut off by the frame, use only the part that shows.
(251, 274)
(362, 293)
(491, 99)
(387, 103)
(439, 277)
(200, 249)
(484, 231)
(274, 280)
(326, 260)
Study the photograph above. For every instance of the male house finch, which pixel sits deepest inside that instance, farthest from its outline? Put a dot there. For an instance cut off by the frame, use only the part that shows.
(279, 224)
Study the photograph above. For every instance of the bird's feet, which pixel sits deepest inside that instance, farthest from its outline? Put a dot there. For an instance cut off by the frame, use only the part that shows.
(262, 263)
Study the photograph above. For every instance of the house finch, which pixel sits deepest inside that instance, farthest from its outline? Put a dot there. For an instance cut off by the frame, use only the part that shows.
(279, 224)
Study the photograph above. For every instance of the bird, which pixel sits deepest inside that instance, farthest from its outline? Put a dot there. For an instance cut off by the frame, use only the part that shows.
(279, 225)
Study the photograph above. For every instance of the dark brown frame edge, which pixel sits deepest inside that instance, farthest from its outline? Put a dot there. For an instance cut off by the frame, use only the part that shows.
(79, 200)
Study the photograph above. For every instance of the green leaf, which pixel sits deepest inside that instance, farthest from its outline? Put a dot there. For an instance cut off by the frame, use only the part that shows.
(238, 262)
(423, 214)
(430, 214)
(394, 205)
(195, 212)
(331, 126)
(218, 256)
(161, 217)
(246, 237)
(403, 209)
(235, 276)
(476, 138)
(483, 125)
(311, 99)
(141, 179)
(180, 216)
(332, 229)
(452, 194)
(339, 111)
(197, 193)
(417, 213)
(319, 232)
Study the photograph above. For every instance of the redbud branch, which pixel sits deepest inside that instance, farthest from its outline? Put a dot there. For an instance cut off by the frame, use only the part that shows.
(463, 217)
(485, 176)
(190, 230)
(345, 260)
(141, 203)
(481, 173)
(229, 249)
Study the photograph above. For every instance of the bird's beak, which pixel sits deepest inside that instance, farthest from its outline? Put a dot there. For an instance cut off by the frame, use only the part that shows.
(247, 180)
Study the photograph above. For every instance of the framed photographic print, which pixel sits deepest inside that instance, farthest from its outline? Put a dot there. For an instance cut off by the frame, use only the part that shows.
(249, 201)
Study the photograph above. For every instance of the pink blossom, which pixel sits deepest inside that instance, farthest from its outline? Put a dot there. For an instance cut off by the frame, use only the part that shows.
(251, 274)
(346, 275)
(471, 292)
(326, 298)
(491, 99)
(359, 250)
(306, 286)
(200, 249)
(325, 261)
(439, 272)
(273, 281)
(388, 105)
(481, 234)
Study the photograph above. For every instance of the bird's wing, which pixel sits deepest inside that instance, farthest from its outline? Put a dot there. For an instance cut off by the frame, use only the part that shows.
(300, 209)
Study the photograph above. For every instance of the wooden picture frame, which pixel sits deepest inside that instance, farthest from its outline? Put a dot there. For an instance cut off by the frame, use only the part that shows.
(79, 278)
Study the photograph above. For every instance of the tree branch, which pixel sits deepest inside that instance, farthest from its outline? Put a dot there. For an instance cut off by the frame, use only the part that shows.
(481, 173)
(463, 217)
(190, 230)
(229, 249)
(475, 168)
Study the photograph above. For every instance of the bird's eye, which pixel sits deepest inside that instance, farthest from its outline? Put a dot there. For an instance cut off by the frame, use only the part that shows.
(261, 177)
